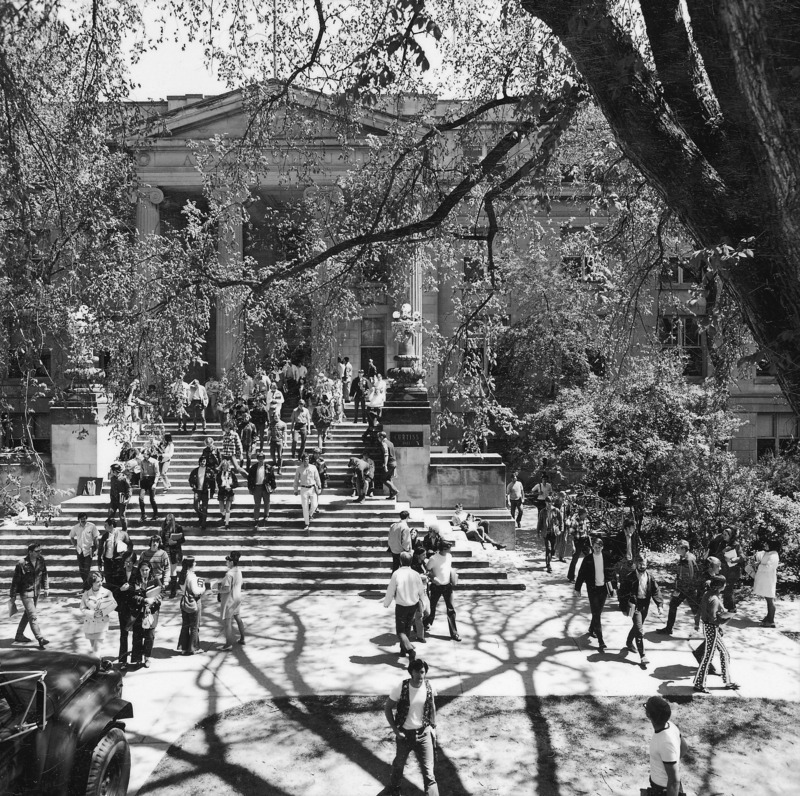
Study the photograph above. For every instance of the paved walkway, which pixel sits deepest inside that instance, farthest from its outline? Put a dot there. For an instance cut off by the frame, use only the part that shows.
(514, 644)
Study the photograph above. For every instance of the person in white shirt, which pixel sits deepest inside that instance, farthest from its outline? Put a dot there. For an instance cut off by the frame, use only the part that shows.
(198, 401)
(399, 539)
(84, 537)
(515, 494)
(667, 746)
(308, 485)
(406, 589)
(440, 567)
(595, 571)
(275, 400)
(167, 451)
(414, 726)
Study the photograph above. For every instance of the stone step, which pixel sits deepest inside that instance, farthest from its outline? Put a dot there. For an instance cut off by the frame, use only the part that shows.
(366, 584)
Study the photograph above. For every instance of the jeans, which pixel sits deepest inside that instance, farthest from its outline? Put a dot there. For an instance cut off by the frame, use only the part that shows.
(421, 743)
(674, 604)
(29, 600)
(359, 400)
(189, 639)
(447, 593)
(303, 434)
(276, 452)
(120, 506)
(142, 642)
(581, 549)
(637, 628)
(403, 620)
(125, 626)
(308, 500)
(549, 549)
(597, 599)
(201, 506)
(260, 495)
(516, 511)
(84, 565)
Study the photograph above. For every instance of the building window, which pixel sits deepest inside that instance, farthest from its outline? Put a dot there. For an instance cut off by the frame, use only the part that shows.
(683, 332)
(675, 271)
(776, 433)
(373, 331)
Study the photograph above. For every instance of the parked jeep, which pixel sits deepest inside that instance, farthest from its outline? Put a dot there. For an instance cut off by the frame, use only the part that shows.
(61, 732)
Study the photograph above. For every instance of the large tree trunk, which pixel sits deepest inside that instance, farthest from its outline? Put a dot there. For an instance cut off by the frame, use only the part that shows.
(726, 159)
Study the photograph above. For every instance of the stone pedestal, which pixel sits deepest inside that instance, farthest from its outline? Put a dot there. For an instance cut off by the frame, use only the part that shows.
(408, 426)
(81, 442)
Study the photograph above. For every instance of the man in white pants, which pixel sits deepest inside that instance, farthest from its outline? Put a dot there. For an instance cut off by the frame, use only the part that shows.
(308, 486)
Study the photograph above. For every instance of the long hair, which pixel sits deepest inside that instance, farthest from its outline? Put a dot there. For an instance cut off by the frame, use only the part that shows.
(187, 564)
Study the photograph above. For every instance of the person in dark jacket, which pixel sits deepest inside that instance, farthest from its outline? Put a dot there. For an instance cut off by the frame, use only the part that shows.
(29, 581)
(637, 589)
(358, 392)
(596, 572)
(203, 482)
(123, 594)
(261, 484)
(112, 546)
(389, 464)
(172, 539)
(145, 605)
(227, 483)
(120, 492)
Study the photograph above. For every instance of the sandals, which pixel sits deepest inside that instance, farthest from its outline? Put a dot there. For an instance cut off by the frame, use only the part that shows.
(732, 686)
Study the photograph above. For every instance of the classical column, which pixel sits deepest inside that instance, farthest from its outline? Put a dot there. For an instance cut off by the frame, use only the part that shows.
(231, 250)
(415, 300)
(147, 216)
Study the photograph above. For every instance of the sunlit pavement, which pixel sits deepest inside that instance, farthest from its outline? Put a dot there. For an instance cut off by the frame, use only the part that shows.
(531, 642)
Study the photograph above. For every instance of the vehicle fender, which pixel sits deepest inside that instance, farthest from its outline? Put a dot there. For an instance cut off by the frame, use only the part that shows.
(110, 714)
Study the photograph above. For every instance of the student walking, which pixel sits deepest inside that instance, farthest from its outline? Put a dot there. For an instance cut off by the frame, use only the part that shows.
(29, 582)
(766, 579)
(97, 603)
(167, 451)
(120, 494)
(191, 607)
(636, 591)
(277, 440)
(581, 540)
(410, 711)
(359, 388)
(145, 603)
(261, 484)
(595, 572)
(148, 464)
(301, 428)
(84, 537)
(713, 616)
(308, 486)
(399, 541)
(230, 597)
(172, 539)
(667, 747)
(685, 586)
(322, 417)
(515, 495)
(443, 578)
(227, 483)
(203, 482)
(389, 464)
(198, 401)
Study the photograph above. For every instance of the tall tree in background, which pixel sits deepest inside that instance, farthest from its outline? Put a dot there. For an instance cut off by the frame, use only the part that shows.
(703, 99)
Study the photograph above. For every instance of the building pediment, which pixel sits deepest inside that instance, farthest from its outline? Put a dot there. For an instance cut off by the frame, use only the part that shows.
(201, 118)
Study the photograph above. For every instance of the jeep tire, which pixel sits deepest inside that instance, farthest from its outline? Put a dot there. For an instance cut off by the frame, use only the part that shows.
(110, 766)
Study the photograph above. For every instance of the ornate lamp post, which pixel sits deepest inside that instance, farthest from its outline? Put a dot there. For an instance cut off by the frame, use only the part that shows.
(407, 375)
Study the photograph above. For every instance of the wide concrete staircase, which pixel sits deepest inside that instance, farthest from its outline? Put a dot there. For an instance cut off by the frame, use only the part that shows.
(345, 548)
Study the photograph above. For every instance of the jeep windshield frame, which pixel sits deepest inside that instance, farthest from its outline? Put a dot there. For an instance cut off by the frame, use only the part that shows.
(22, 707)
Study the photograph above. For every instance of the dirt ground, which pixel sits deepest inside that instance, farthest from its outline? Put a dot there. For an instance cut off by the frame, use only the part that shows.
(552, 746)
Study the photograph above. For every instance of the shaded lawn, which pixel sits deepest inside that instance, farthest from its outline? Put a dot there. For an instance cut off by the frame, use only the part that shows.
(554, 746)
